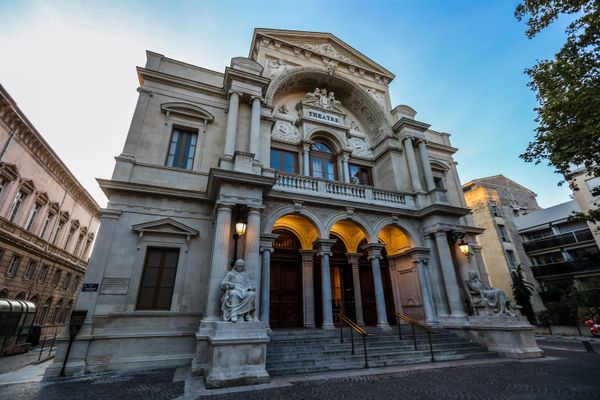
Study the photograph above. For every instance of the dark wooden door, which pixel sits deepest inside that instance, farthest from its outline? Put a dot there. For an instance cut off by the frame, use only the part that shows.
(285, 309)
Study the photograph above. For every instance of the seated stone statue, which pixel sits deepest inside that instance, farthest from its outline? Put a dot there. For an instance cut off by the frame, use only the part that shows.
(495, 300)
(238, 300)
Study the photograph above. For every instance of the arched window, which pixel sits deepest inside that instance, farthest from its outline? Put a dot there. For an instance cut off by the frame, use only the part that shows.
(55, 319)
(322, 161)
(20, 296)
(4, 294)
(45, 309)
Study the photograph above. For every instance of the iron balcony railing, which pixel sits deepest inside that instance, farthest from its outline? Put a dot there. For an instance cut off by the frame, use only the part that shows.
(566, 267)
(309, 185)
(563, 239)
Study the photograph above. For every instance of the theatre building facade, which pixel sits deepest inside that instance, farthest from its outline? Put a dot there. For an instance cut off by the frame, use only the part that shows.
(295, 161)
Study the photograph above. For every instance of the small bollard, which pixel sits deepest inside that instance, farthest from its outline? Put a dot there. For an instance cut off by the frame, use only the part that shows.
(588, 346)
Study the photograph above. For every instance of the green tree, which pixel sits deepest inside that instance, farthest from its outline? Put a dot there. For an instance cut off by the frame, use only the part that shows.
(567, 89)
(522, 293)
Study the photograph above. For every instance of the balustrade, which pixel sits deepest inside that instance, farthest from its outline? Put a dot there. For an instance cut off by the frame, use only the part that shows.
(341, 190)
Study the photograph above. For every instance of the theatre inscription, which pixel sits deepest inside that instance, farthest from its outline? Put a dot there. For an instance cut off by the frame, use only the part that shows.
(324, 116)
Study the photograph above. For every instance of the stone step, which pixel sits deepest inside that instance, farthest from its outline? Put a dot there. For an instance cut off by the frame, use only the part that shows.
(328, 352)
(375, 356)
(389, 342)
(333, 338)
(359, 363)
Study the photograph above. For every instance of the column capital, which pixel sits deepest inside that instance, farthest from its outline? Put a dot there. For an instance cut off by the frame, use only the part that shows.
(324, 246)
(417, 260)
(224, 206)
(353, 258)
(253, 209)
(232, 92)
(307, 255)
(254, 97)
(374, 250)
(306, 145)
(266, 242)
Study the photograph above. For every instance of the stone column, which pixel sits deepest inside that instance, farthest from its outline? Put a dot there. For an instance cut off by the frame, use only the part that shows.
(346, 167)
(308, 287)
(413, 169)
(232, 117)
(430, 313)
(374, 250)
(220, 260)
(266, 248)
(305, 159)
(426, 165)
(255, 127)
(324, 248)
(438, 290)
(252, 250)
(353, 260)
(447, 266)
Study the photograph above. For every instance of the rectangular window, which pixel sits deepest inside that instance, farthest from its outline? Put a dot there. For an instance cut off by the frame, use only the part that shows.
(495, 211)
(512, 261)
(438, 182)
(43, 274)
(67, 281)
(56, 278)
(360, 175)
(86, 248)
(31, 217)
(30, 270)
(284, 161)
(69, 237)
(593, 185)
(13, 266)
(78, 244)
(57, 231)
(158, 279)
(182, 149)
(503, 234)
(14, 210)
(46, 224)
(2, 184)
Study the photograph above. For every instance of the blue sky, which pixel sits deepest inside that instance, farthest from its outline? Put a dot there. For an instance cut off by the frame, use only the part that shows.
(71, 68)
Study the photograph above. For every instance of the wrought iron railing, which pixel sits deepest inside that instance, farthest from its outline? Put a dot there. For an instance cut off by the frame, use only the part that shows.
(579, 236)
(414, 324)
(354, 327)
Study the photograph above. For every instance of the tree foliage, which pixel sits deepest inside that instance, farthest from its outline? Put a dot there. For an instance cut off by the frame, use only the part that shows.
(522, 293)
(567, 88)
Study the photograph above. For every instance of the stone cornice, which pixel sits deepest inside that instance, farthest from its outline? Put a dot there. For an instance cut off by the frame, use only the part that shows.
(232, 73)
(218, 175)
(173, 80)
(441, 147)
(43, 153)
(405, 122)
(109, 186)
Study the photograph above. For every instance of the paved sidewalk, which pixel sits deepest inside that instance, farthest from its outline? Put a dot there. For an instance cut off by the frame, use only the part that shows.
(562, 375)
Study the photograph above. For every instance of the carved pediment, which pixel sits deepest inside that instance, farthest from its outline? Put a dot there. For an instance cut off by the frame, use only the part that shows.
(321, 98)
(8, 171)
(188, 111)
(321, 44)
(165, 226)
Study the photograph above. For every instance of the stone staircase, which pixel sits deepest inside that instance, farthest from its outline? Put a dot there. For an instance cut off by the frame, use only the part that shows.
(305, 351)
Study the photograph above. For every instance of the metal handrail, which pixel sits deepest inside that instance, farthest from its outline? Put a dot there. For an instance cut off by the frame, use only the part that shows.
(354, 327)
(413, 324)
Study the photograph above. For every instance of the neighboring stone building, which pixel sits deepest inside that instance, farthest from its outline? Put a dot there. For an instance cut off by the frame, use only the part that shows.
(560, 250)
(351, 206)
(587, 195)
(496, 201)
(47, 221)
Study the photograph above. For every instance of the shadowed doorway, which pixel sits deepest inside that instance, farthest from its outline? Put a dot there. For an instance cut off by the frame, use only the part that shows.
(285, 309)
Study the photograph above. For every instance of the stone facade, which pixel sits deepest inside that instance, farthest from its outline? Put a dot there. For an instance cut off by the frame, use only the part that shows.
(587, 194)
(495, 202)
(350, 205)
(47, 221)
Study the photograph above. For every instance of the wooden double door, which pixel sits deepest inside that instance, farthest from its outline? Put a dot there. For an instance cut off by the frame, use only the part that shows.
(285, 310)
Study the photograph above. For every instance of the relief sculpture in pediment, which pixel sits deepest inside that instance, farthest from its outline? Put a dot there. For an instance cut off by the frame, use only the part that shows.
(283, 131)
(322, 98)
(276, 67)
(328, 50)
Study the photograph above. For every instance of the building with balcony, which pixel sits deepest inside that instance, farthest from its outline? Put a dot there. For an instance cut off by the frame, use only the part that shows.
(295, 160)
(47, 221)
(587, 194)
(560, 251)
(495, 202)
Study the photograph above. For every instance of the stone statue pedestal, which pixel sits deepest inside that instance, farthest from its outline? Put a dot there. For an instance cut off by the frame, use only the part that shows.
(232, 354)
(510, 337)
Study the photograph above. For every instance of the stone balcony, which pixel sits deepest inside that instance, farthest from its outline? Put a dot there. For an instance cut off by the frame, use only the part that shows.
(308, 185)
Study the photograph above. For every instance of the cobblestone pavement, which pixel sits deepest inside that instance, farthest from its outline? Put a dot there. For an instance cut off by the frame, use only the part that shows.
(565, 374)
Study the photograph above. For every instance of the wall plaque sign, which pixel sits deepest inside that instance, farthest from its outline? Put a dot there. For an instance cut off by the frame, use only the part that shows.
(114, 286)
(90, 287)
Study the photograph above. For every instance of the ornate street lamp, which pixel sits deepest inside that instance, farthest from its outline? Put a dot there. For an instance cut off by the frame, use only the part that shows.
(463, 246)
(240, 230)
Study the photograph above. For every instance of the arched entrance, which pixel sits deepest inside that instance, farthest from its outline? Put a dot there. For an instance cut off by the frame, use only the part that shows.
(285, 309)
(367, 286)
